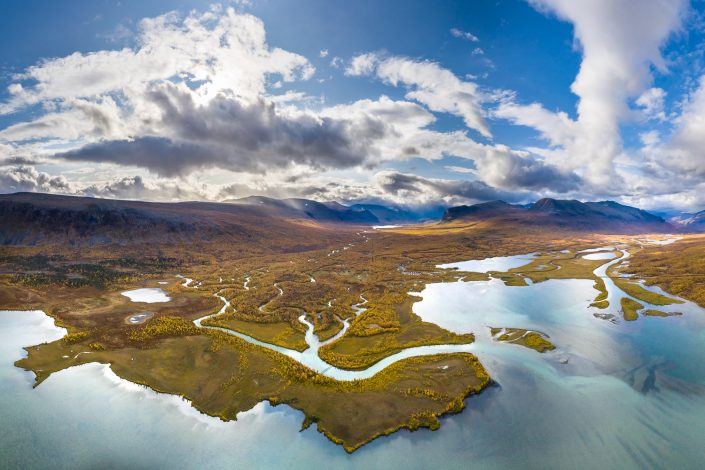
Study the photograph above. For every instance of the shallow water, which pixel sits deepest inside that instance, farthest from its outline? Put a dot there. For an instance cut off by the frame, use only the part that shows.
(500, 263)
(149, 295)
(140, 318)
(631, 395)
(598, 256)
(312, 360)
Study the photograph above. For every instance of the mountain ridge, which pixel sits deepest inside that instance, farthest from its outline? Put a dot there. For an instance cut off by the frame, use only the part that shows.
(308, 209)
(37, 218)
(599, 216)
(690, 222)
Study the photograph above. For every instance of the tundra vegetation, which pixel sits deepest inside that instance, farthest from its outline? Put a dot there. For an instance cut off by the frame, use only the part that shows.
(630, 308)
(327, 273)
(529, 339)
(678, 268)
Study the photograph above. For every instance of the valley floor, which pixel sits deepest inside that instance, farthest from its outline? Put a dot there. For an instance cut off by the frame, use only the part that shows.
(359, 286)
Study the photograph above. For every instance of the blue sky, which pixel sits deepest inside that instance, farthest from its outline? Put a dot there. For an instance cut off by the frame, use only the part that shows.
(403, 102)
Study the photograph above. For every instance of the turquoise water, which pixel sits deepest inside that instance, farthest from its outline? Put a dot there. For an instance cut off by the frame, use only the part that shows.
(499, 263)
(312, 360)
(631, 395)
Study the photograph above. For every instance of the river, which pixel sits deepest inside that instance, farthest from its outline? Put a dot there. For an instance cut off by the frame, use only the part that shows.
(613, 395)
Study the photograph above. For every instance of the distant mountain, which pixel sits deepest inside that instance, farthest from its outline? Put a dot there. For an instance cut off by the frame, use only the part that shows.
(34, 218)
(690, 222)
(605, 210)
(308, 209)
(288, 224)
(389, 215)
(482, 211)
(603, 216)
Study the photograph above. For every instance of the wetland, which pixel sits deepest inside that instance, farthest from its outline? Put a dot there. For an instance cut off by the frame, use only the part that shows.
(359, 363)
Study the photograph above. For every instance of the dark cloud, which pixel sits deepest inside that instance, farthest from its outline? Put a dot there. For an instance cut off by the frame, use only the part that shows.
(159, 154)
(386, 187)
(400, 184)
(19, 161)
(228, 133)
(511, 170)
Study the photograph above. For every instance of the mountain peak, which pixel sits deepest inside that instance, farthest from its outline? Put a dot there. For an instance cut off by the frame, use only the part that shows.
(479, 211)
(559, 206)
(602, 216)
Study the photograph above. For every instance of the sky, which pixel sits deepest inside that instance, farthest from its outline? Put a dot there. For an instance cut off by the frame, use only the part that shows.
(408, 102)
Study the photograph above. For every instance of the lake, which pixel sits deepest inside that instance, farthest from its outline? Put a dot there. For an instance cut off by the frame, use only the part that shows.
(149, 295)
(631, 395)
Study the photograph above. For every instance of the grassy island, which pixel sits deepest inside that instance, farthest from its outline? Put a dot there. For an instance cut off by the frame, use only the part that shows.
(529, 339)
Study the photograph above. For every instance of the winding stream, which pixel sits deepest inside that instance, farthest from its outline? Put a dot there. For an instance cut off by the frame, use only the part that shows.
(629, 395)
(614, 293)
(311, 359)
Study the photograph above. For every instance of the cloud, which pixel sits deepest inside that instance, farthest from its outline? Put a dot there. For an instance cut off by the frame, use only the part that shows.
(323, 53)
(397, 116)
(139, 188)
(363, 64)
(77, 119)
(19, 160)
(159, 154)
(649, 138)
(406, 186)
(556, 127)
(509, 169)
(384, 187)
(460, 169)
(28, 178)
(457, 33)
(228, 133)
(620, 41)
(404, 134)
(651, 101)
(683, 153)
(336, 62)
(211, 51)
(429, 84)
(197, 94)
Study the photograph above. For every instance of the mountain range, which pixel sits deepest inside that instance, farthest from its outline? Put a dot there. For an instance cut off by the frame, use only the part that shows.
(603, 216)
(691, 222)
(35, 218)
(362, 214)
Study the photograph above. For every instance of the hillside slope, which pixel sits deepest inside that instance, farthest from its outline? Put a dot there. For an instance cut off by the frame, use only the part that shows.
(691, 222)
(36, 219)
(603, 216)
(296, 208)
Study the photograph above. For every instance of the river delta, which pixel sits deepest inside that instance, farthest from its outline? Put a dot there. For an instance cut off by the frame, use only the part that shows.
(638, 382)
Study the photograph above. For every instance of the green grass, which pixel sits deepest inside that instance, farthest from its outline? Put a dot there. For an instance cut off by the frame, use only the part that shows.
(530, 339)
(279, 333)
(630, 308)
(603, 304)
(223, 375)
(635, 290)
(659, 313)
(601, 299)
(679, 268)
